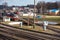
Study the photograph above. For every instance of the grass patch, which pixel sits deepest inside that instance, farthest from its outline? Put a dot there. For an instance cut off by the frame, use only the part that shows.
(50, 19)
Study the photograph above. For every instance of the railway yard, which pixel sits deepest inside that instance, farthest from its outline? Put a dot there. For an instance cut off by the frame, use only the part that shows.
(11, 33)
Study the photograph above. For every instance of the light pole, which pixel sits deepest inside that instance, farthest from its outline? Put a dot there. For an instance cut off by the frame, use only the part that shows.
(34, 16)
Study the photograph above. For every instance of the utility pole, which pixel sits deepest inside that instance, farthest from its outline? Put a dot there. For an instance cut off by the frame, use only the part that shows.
(34, 15)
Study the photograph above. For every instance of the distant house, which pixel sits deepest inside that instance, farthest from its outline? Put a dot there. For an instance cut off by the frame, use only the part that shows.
(5, 18)
(54, 12)
(4, 7)
(26, 7)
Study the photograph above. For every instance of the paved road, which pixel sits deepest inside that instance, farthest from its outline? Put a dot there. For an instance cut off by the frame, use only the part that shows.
(18, 34)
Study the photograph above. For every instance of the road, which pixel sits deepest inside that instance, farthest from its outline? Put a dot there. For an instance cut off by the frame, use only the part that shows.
(10, 33)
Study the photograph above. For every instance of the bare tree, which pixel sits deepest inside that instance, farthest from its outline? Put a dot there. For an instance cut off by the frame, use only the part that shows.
(41, 6)
(58, 3)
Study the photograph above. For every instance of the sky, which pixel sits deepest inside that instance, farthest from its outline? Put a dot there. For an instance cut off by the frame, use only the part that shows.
(23, 2)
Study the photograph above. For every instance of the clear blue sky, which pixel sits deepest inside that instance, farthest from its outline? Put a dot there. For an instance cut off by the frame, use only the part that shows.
(23, 2)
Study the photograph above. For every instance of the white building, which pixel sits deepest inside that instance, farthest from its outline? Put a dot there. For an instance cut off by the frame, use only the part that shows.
(5, 18)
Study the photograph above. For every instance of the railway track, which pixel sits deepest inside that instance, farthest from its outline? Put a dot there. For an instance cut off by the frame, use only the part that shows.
(26, 35)
(2, 37)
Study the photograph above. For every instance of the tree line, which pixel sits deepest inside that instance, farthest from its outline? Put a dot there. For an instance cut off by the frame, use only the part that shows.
(42, 6)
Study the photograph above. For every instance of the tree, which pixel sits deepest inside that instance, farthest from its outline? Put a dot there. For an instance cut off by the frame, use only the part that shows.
(51, 5)
(58, 4)
(38, 6)
(41, 7)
